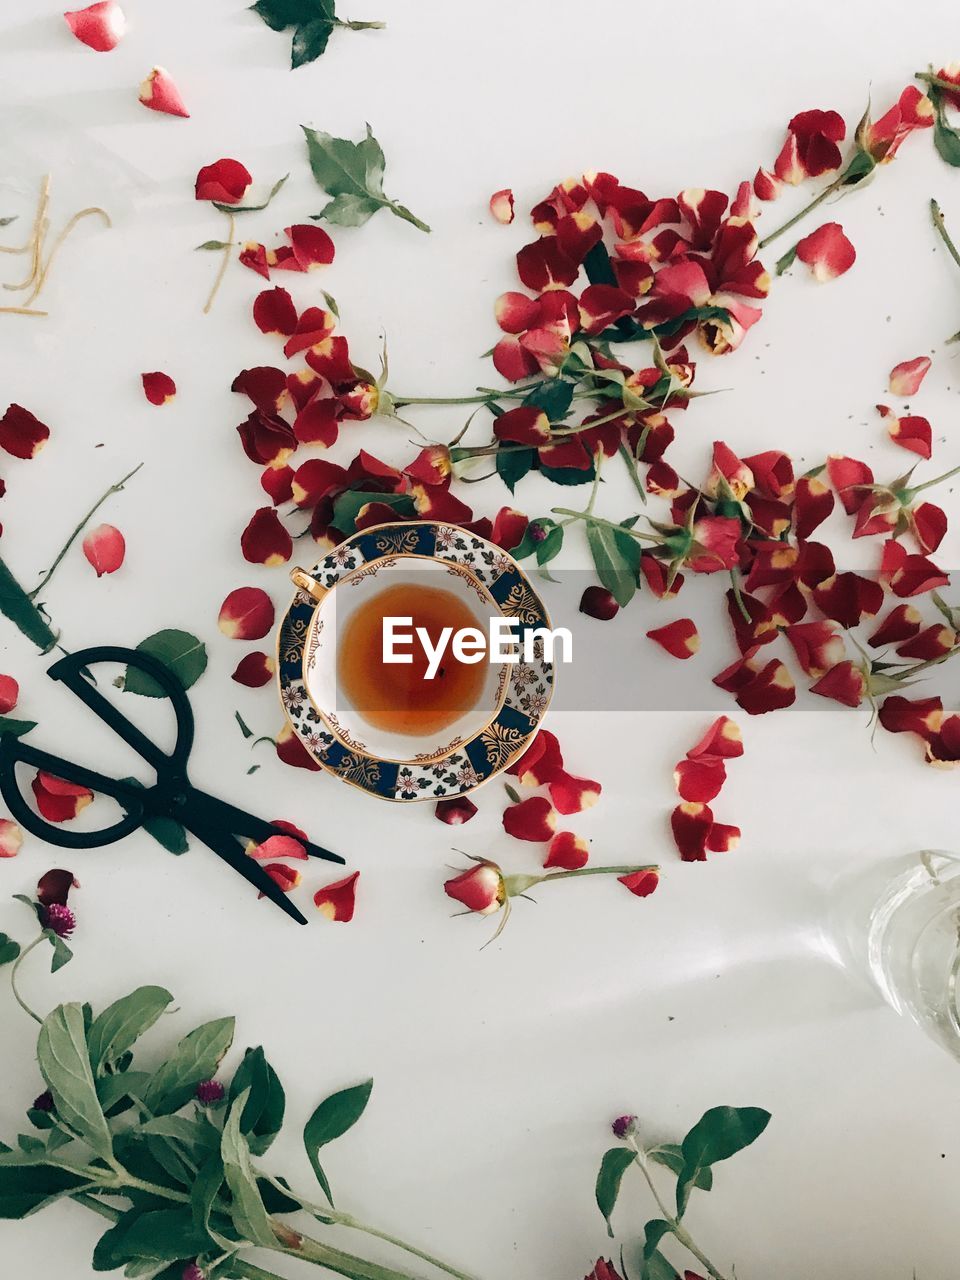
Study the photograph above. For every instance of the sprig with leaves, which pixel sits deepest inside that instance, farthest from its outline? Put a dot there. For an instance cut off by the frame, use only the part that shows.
(312, 22)
(168, 1155)
(352, 173)
(719, 1134)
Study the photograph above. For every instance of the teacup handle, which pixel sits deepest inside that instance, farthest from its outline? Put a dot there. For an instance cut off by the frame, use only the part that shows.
(300, 578)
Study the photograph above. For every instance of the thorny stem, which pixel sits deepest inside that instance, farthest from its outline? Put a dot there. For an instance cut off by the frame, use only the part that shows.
(936, 213)
(598, 871)
(928, 484)
(13, 976)
(827, 191)
(224, 263)
(681, 1233)
(114, 488)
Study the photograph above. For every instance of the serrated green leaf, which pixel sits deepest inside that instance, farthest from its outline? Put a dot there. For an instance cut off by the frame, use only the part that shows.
(613, 1166)
(247, 1210)
(513, 465)
(9, 949)
(616, 557)
(332, 1118)
(122, 1023)
(348, 211)
(310, 41)
(352, 173)
(553, 396)
(65, 1066)
(16, 605)
(183, 653)
(568, 475)
(719, 1134)
(195, 1058)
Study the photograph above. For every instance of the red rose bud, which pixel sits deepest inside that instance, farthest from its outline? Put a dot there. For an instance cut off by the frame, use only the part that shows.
(456, 811)
(9, 694)
(292, 751)
(21, 434)
(254, 670)
(881, 139)
(209, 1092)
(722, 741)
(541, 762)
(159, 93)
(844, 683)
(730, 476)
(104, 547)
(599, 603)
(680, 639)
(532, 819)
(225, 181)
(265, 540)
(501, 205)
(571, 794)
(480, 888)
(715, 544)
(567, 851)
(58, 800)
(158, 387)
(59, 920)
(11, 838)
(932, 642)
(337, 901)
(691, 823)
(604, 1271)
(99, 26)
(274, 312)
(641, 883)
(246, 614)
(699, 781)
(905, 378)
(54, 887)
(827, 252)
(722, 838)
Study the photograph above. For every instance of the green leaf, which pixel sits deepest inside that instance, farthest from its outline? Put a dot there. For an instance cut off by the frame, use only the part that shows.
(352, 173)
(670, 1156)
(16, 605)
(331, 302)
(947, 140)
(25, 1189)
(349, 505)
(249, 1216)
(122, 1023)
(613, 1166)
(568, 475)
(281, 14)
(244, 727)
(651, 1257)
(262, 1116)
(214, 244)
(553, 396)
(549, 548)
(159, 1235)
(616, 557)
(248, 208)
(9, 950)
(16, 728)
(332, 1118)
(719, 1134)
(65, 1066)
(167, 832)
(310, 41)
(61, 953)
(114, 1089)
(184, 654)
(196, 1058)
(513, 465)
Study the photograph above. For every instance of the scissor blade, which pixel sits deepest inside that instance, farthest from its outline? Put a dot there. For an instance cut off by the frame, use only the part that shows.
(242, 823)
(231, 851)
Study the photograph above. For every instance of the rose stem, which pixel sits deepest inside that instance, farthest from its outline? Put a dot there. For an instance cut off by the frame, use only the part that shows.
(936, 214)
(224, 263)
(827, 191)
(114, 488)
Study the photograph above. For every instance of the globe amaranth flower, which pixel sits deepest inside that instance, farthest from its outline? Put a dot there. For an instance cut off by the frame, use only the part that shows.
(59, 919)
(209, 1092)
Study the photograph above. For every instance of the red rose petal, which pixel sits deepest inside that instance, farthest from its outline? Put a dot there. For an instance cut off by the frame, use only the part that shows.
(905, 378)
(286, 877)
(571, 794)
(922, 716)
(911, 432)
(254, 670)
(516, 312)
(598, 602)
(722, 741)
(337, 901)
(641, 883)
(721, 838)
(512, 361)
(265, 386)
(265, 540)
(311, 329)
(916, 575)
(501, 205)
(541, 762)
(932, 642)
(699, 780)
(769, 689)
(827, 252)
(158, 387)
(225, 181)
(456, 811)
(311, 245)
(315, 479)
(532, 819)
(523, 425)
(844, 683)
(55, 885)
(567, 851)
(21, 434)
(509, 526)
(58, 800)
(11, 838)
(274, 312)
(278, 483)
(680, 639)
(266, 440)
(901, 623)
(929, 524)
(254, 255)
(812, 503)
(104, 547)
(691, 825)
(159, 93)
(9, 694)
(246, 614)
(292, 751)
(280, 846)
(99, 26)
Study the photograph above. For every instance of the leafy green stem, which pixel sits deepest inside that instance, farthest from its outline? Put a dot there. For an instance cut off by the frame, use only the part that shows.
(597, 871)
(677, 1228)
(347, 1221)
(630, 463)
(114, 488)
(41, 937)
(825, 194)
(606, 524)
(403, 212)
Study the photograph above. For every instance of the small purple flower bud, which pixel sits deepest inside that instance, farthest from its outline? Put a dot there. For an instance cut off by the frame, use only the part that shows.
(209, 1092)
(192, 1272)
(44, 1102)
(537, 532)
(59, 919)
(624, 1127)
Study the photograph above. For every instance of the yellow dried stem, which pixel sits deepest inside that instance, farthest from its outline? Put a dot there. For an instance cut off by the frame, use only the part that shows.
(36, 255)
(21, 311)
(37, 221)
(224, 263)
(77, 217)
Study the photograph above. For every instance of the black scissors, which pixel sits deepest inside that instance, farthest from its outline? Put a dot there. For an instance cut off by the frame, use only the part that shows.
(213, 821)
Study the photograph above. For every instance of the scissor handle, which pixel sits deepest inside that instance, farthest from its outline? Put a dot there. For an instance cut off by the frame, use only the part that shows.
(71, 672)
(14, 750)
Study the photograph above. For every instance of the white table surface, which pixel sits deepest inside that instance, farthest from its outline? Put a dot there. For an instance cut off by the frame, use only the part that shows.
(496, 1072)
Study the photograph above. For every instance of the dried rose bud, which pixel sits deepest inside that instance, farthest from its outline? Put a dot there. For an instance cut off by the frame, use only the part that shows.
(480, 888)
(209, 1093)
(537, 532)
(59, 920)
(624, 1127)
